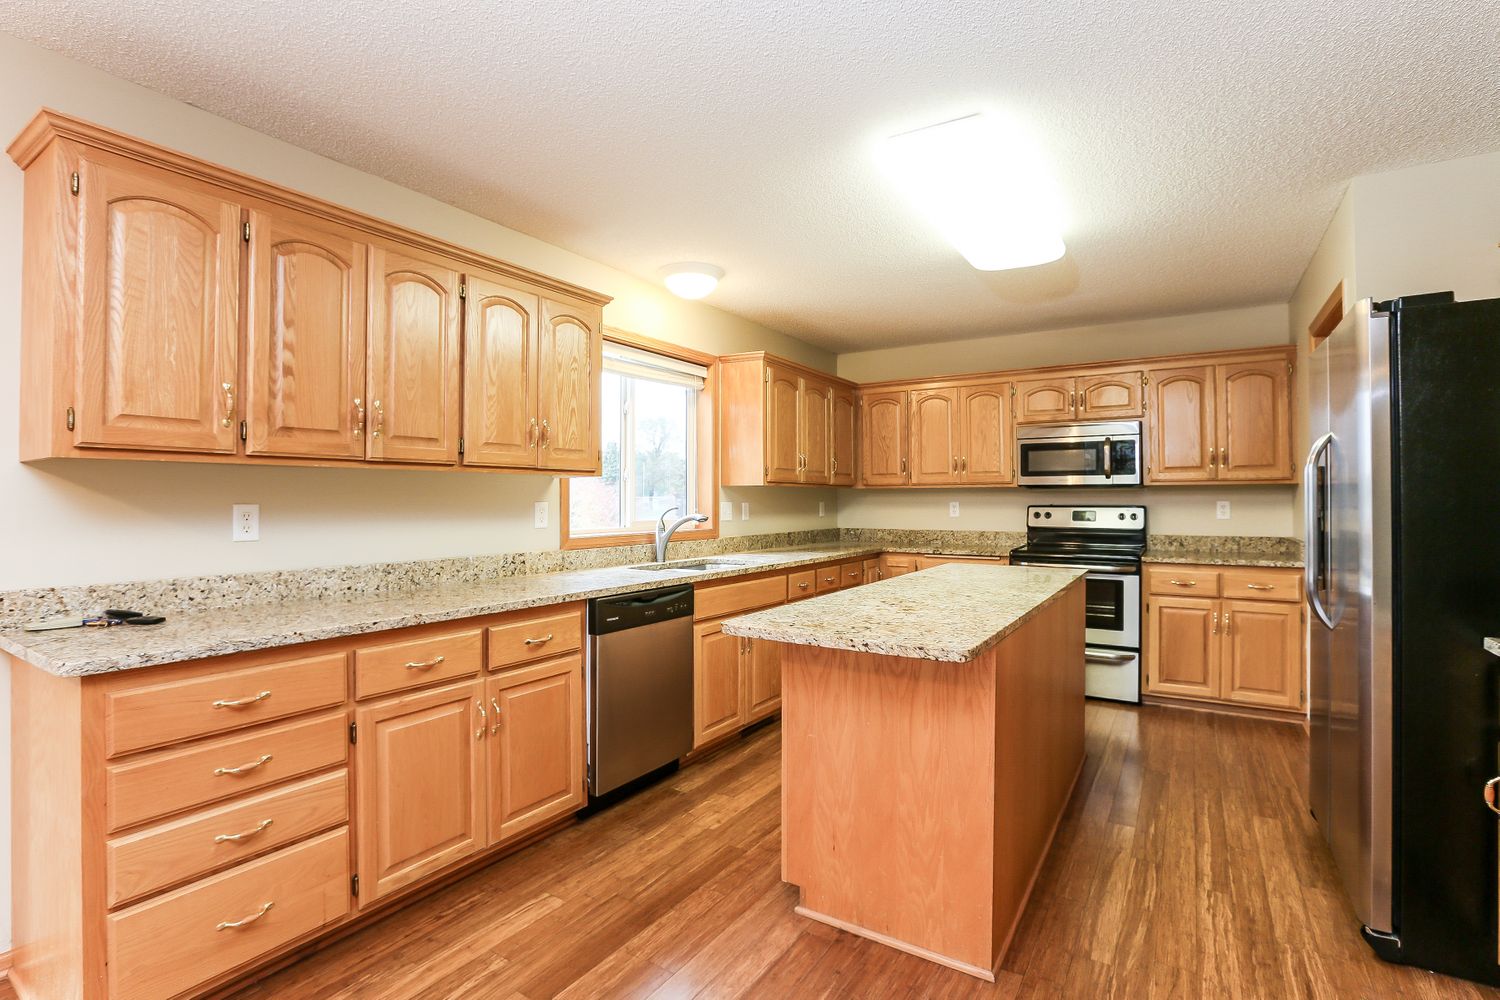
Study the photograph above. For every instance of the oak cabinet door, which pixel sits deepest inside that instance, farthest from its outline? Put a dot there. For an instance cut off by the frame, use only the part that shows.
(1182, 656)
(1180, 421)
(872, 571)
(1046, 400)
(817, 440)
(1254, 417)
(934, 437)
(305, 353)
(985, 453)
(570, 359)
(883, 435)
(783, 441)
(762, 668)
(535, 746)
(160, 311)
(414, 368)
(421, 782)
(896, 564)
(501, 426)
(1263, 653)
(843, 436)
(718, 683)
(1109, 397)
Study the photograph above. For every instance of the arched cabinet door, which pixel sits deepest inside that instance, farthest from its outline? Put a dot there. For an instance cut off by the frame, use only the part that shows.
(882, 438)
(501, 424)
(783, 419)
(1048, 400)
(815, 420)
(305, 353)
(1254, 419)
(160, 311)
(414, 370)
(1180, 422)
(934, 437)
(569, 358)
(1115, 396)
(986, 457)
(843, 436)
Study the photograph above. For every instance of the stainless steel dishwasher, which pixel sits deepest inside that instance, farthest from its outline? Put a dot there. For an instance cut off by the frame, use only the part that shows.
(640, 684)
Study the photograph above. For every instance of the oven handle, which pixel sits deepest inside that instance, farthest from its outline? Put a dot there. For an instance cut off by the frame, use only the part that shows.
(1098, 657)
(1117, 569)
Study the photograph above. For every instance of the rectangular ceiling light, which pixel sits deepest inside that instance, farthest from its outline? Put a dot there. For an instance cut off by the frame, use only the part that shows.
(982, 183)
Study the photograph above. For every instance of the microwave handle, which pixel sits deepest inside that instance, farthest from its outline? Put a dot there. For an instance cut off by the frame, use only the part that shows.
(1109, 462)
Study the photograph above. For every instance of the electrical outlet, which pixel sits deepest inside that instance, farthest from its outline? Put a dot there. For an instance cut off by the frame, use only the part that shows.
(539, 514)
(822, 509)
(745, 510)
(953, 508)
(244, 522)
(726, 510)
(1221, 510)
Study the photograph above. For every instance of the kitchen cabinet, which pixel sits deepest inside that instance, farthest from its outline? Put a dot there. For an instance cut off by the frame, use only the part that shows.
(535, 746)
(1045, 400)
(986, 436)
(762, 672)
(883, 438)
(1095, 396)
(842, 472)
(158, 305)
(780, 423)
(934, 437)
(1229, 421)
(502, 421)
(872, 570)
(421, 768)
(305, 340)
(1184, 647)
(570, 350)
(718, 683)
(929, 561)
(897, 564)
(1261, 640)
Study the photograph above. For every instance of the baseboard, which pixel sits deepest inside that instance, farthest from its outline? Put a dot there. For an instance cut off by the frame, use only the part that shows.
(1220, 708)
(988, 975)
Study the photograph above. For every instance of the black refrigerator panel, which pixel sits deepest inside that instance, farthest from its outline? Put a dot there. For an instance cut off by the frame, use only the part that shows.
(1445, 359)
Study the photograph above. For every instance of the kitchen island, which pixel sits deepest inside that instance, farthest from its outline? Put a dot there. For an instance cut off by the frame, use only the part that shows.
(932, 731)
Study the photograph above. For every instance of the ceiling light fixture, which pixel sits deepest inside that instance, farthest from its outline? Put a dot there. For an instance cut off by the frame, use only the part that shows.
(691, 279)
(983, 183)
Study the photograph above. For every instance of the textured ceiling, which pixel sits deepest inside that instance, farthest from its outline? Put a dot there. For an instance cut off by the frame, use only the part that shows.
(1202, 147)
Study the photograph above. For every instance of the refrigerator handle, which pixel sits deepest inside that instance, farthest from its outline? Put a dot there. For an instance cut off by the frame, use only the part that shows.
(1312, 551)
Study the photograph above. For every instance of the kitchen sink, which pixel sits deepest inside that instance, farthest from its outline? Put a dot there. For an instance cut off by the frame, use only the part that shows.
(690, 566)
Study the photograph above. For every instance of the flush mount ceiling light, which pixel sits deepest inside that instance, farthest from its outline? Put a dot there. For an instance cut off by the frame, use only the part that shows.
(983, 183)
(691, 279)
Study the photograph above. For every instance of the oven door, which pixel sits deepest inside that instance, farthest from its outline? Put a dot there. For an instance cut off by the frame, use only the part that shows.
(1105, 460)
(1112, 605)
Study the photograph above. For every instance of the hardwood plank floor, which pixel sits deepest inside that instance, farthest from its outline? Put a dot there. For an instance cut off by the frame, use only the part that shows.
(1186, 866)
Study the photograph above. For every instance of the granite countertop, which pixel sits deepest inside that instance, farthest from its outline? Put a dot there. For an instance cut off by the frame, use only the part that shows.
(1492, 645)
(195, 635)
(950, 613)
(1221, 557)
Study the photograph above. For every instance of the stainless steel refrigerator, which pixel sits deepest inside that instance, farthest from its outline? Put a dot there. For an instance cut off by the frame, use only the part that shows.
(1402, 493)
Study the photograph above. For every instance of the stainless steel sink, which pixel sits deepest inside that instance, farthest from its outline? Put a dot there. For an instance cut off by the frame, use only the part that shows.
(689, 566)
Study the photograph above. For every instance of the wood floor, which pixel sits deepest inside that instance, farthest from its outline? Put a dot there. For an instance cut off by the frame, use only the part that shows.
(1187, 866)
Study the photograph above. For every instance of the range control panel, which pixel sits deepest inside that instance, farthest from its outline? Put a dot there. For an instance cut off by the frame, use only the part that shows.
(1084, 518)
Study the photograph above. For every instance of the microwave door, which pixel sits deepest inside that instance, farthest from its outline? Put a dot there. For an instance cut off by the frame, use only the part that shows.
(1063, 461)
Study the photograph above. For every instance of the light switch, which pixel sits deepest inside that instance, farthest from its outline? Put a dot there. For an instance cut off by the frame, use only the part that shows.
(539, 514)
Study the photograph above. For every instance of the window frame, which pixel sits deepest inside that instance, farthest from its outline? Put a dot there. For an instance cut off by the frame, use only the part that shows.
(705, 458)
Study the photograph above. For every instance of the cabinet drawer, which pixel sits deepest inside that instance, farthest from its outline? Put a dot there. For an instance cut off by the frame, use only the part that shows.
(718, 600)
(533, 638)
(1263, 584)
(168, 945)
(202, 842)
(174, 780)
(829, 578)
(1182, 581)
(802, 584)
(853, 574)
(153, 715)
(396, 666)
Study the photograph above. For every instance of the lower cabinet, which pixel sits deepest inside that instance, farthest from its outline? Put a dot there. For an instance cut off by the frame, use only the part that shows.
(927, 562)
(897, 564)
(535, 750)
(421, 786)
(762, 678)
(718, 682)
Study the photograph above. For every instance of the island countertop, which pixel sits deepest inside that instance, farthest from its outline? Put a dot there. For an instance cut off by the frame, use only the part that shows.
(949, 613)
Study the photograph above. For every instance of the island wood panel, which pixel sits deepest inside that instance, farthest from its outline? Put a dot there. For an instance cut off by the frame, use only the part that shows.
(305, 338)
(501, 425)
(570, 357)
(1180, 425)
(414, 357)
(1253, 414)
(986, 456)
(934, 437)
(919, 798)
(883, 436)
(1112, 396)
(160, 278)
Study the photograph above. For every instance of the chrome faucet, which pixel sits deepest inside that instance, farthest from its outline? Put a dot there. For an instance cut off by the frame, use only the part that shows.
(664, 533)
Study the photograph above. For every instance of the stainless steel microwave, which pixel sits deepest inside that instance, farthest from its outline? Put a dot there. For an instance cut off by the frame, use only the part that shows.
(1105, 454)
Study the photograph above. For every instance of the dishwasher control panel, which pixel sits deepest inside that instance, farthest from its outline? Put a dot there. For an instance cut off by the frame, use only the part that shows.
(614, 614)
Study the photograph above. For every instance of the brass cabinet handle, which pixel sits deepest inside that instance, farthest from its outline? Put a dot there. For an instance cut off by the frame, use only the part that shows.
(1072, 400)
(1228, 622)
(1212, 459)
(546, 438)
(1224, 457)
(829, 579)
(1183, 583)
(803, 585)
(225, 838)
(531, 434)
(1216, 623)
(241, 702)
(495, 706)
(1261, 586)
(252, 918)
(265, 759)
(538, 642)
(1489, 794)
(903, 466)
(425, 664)
(359, 417)
(379, 419)
(955, 463)
(228, 420)
(483, 719)
(963, 463)
(879, 573)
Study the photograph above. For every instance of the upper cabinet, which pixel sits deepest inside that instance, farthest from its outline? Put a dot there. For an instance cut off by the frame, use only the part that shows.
(1112, 395)
(176, 308)
(1045, 400)
(780, 423)
(934, 437)
(1230, 421)
(883, 435)
(962, 435)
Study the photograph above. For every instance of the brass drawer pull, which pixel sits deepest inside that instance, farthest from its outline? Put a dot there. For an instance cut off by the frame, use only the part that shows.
(1489, 794)
(1261, 586)
(803, 585)
(241, 702)
(231, 838)
(252, 918)
(1183, 583)
(538, 642)
(425, 664)
(829, 579)
(265, 758)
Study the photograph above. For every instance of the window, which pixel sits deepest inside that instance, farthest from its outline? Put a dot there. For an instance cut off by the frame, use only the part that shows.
(656, 442)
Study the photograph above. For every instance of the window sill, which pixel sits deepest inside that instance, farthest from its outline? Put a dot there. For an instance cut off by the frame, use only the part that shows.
(633, 538)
